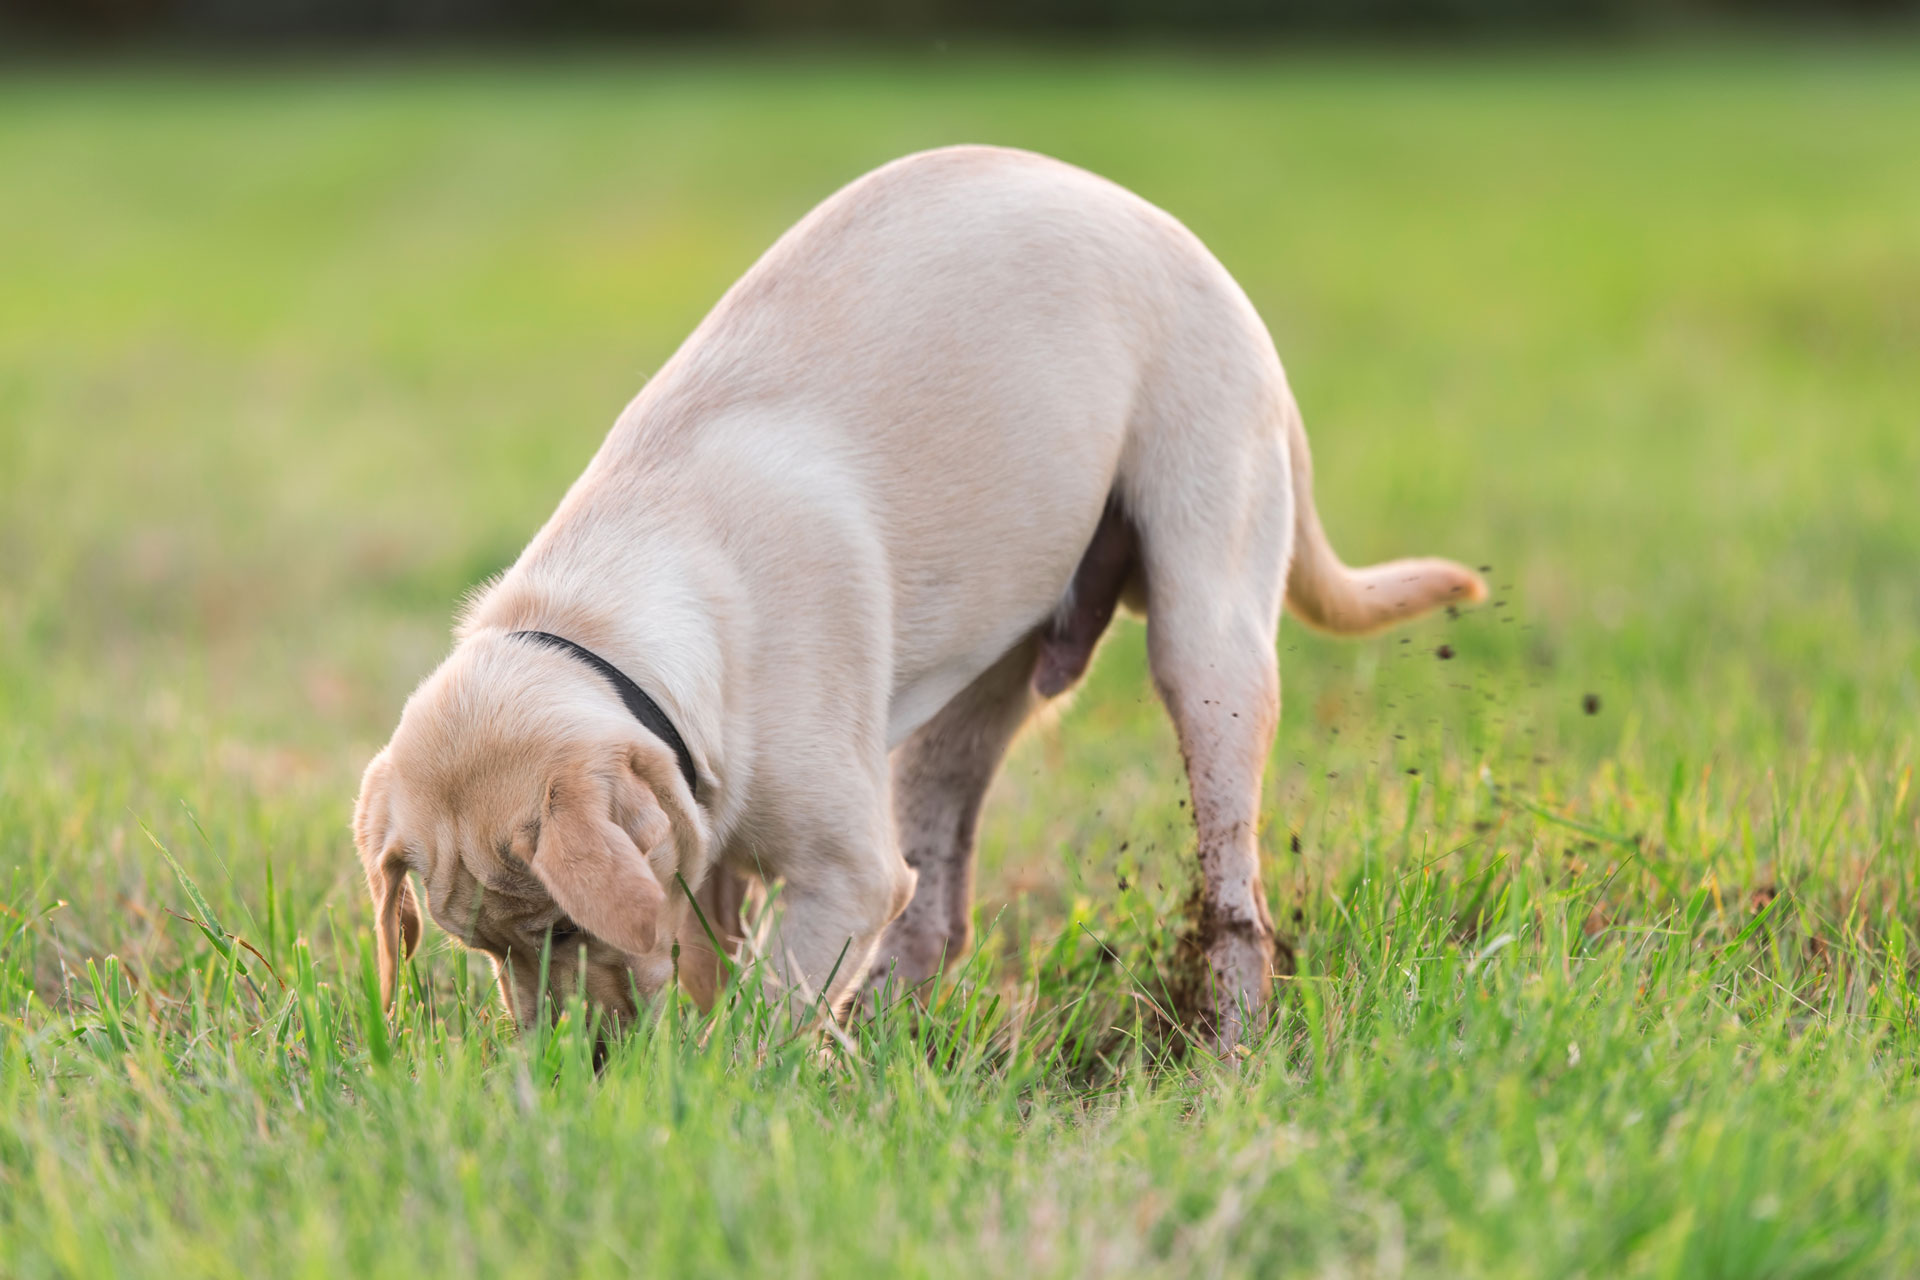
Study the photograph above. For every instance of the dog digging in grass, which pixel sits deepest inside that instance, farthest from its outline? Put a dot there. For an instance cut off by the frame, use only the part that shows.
(877, 510)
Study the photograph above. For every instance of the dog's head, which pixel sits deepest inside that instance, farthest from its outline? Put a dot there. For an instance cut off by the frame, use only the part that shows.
(538, 814)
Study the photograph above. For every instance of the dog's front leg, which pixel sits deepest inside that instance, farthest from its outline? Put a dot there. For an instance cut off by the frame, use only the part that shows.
(833, 906)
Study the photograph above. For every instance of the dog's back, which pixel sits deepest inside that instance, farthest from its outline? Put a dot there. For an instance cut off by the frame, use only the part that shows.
(972, 347)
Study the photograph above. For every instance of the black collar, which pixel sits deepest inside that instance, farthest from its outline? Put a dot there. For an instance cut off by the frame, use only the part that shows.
(644, 709)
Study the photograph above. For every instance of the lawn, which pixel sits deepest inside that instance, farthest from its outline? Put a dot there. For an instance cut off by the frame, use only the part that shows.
(1604, 924)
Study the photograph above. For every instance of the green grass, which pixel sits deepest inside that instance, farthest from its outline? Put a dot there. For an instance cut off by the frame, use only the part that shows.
(289, 360)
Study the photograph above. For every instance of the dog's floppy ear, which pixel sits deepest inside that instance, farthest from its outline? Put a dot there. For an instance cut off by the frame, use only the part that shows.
(591, 865)
(396, 916)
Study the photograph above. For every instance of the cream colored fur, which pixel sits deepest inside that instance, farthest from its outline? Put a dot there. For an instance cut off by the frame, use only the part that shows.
(823, 537)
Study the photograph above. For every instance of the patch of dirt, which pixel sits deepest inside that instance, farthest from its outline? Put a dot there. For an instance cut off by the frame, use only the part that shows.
(1187, 978)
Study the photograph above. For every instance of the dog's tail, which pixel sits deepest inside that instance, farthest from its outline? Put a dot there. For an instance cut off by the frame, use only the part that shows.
(1326, 594)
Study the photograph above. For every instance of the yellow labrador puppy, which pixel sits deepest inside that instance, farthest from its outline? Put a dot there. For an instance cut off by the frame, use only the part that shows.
(878, 508)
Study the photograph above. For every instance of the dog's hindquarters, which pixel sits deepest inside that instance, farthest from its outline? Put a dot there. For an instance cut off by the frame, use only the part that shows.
(1217, 482)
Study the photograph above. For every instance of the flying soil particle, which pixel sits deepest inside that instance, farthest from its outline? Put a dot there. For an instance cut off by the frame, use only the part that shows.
(1293, 842)
(1591, 704)
(1444, 652)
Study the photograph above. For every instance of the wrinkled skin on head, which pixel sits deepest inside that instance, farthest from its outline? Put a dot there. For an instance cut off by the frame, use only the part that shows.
(532, 810)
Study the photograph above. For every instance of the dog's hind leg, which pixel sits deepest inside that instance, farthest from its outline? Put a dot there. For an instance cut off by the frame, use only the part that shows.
(941, 774)
(1214, 526)
(940, 780)
(1219, 680)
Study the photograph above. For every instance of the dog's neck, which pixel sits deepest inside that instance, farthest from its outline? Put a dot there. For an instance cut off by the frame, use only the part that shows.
(644, 616)
(510, 605)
